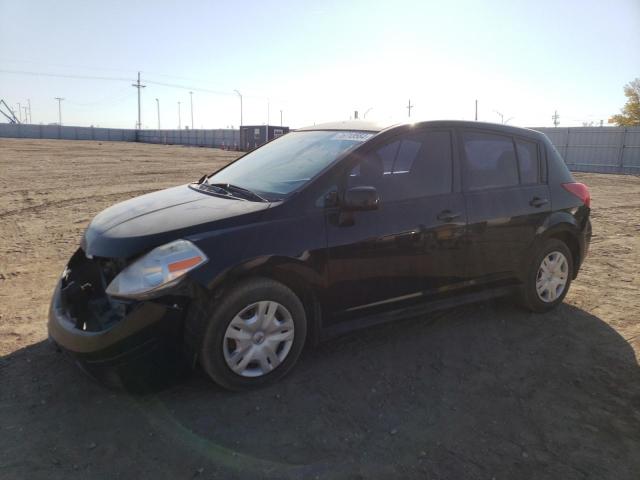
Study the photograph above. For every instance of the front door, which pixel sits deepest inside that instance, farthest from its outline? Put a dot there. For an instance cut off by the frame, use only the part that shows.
(411, 246)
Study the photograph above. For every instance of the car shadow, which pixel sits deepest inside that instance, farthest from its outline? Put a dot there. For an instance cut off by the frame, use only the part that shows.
(480, 391)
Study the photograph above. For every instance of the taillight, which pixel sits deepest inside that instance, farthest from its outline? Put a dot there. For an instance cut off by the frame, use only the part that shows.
(580, 190)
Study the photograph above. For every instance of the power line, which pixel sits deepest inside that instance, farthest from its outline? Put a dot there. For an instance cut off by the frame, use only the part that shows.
(186, 87)
(118, 96)
(62, 75)
(124, 79)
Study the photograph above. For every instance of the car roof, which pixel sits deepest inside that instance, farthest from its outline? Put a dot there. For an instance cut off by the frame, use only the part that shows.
(353, 125)
(367, 126)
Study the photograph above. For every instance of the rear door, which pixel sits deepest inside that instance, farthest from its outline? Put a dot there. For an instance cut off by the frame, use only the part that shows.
(506, 197)
(411, 246)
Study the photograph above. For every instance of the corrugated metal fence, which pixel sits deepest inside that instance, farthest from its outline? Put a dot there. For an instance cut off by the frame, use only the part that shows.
(57, 132)
(202, 138)
(598, 149)
(585, 149)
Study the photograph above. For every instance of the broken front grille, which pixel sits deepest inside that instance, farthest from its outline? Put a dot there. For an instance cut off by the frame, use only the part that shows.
(83, 293)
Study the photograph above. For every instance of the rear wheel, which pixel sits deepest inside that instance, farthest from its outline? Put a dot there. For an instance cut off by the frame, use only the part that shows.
(254, 335)
(548, 277)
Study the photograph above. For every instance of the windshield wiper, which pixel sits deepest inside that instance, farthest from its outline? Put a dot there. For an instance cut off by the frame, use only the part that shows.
(238, 191)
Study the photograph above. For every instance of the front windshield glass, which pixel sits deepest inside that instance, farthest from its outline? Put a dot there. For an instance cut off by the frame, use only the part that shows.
(286, 164)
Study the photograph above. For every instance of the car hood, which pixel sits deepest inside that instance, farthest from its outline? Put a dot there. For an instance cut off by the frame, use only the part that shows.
(141, 223)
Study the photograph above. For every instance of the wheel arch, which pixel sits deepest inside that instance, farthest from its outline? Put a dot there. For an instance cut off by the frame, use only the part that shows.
(295, 274)
(564, 227)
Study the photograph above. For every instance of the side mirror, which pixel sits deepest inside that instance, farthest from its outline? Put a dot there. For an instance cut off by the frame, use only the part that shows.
(360, 198)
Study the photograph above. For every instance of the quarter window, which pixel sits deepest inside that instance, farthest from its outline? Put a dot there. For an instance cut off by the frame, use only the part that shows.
(490, 161)
(528, 161)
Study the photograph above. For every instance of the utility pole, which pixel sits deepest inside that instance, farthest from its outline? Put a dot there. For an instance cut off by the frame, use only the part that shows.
(501, 116)
(59, 110)
(191, 95)
(29, 103)
(179, 121)
(138, 85)
(476, 117)
(280, 117)
(26, 115)
(158, 105)
(409, 107)
(20, 113)
(268, 112)
(556, 119)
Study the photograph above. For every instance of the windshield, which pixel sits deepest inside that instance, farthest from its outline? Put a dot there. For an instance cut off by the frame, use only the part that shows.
(286, 164)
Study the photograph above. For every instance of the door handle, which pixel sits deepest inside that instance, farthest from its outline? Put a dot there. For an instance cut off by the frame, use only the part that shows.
(538, 202)
(447, 216)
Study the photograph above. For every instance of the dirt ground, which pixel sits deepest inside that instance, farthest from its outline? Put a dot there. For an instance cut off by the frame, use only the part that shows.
(483, 391)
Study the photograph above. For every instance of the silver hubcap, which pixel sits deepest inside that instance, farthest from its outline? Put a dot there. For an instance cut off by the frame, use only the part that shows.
(552, 276)
(258, 339)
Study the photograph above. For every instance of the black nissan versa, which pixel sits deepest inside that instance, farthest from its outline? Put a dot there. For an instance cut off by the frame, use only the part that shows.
(325, 229)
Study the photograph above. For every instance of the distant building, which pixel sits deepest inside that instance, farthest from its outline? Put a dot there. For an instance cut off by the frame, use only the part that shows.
(252, 136)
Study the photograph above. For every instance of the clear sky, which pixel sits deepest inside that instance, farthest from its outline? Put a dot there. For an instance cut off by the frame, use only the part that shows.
(319, 61)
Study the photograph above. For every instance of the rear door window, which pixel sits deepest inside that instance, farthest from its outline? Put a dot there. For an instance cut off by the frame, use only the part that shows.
(490, 161)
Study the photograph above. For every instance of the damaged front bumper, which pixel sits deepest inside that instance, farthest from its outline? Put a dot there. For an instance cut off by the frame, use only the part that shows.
(133, 344)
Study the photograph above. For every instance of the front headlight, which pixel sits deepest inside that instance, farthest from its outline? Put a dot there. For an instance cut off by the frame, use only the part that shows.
(161, 268)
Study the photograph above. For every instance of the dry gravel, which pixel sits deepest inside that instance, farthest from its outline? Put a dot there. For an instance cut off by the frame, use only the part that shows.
(483, 391)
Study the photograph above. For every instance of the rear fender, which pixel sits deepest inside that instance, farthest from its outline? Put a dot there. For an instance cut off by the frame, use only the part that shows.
(564, 226)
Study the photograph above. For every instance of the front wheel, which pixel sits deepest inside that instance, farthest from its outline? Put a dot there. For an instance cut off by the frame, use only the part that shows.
(548, 277)
(254, 335)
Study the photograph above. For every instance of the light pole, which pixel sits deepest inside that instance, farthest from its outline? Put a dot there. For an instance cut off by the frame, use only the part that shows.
(240, 95)
(179, 121)
(59, 110)
(240, 132)
(158, 105)
(280, 117)
(502, 120)
(191, 96)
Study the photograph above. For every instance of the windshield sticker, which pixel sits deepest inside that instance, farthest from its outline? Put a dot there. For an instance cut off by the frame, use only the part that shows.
(352, 136)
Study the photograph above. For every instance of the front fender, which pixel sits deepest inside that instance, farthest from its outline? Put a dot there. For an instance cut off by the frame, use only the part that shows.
(301, 272)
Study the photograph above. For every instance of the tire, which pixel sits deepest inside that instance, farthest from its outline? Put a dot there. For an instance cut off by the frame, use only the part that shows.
(552, 293)
(262, 300)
